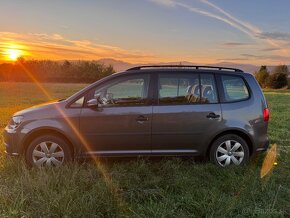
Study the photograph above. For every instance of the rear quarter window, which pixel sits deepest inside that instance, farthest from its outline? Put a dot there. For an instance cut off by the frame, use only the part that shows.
(234, 88)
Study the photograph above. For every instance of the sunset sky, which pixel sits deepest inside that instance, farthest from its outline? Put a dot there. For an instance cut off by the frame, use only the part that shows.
(147, 31)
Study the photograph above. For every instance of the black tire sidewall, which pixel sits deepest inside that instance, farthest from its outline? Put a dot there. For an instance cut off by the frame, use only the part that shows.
(218, 141)
(52, 138)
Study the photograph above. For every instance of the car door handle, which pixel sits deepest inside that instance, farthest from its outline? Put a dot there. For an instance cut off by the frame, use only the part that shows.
(212, 115)
(142, 119)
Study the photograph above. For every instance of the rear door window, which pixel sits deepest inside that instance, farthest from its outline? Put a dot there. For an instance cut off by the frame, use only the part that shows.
(234, 88)
(187, 89)
(179, 89)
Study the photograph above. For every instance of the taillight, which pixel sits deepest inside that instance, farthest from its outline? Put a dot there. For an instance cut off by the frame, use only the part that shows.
(266, 114)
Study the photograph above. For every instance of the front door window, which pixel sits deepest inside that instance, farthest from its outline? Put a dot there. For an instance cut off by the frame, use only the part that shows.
(125, 91)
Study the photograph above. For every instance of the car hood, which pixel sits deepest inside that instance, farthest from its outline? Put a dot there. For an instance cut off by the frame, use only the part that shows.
(52, 105)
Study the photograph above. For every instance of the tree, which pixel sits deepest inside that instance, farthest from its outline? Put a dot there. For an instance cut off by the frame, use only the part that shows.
(281, 69)
(20, 60)
(54, 71)
(278, 78)
(262, 76)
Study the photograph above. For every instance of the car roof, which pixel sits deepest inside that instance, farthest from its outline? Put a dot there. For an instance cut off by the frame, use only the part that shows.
(196, 67)
(181, 68)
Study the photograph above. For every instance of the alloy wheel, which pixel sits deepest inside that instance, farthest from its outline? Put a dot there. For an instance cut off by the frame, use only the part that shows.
(48, 154)
(230, 152)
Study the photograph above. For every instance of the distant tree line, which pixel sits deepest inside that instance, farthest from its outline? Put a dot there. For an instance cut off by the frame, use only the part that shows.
(276, 79)
(54, 71)
(90, 71)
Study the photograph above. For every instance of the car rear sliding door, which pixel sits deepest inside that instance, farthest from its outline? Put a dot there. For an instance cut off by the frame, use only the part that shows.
(186, 113)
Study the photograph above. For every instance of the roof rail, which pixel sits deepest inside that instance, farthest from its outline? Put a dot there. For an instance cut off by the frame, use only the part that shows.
(184, 67)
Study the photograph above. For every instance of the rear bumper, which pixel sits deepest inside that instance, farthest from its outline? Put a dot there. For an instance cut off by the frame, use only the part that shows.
(263, 147)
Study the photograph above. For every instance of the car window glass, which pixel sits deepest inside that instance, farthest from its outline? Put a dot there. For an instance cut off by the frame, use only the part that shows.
(131, 90)
(179, 89)
(234, 88)
(78, 103)
(208, 88)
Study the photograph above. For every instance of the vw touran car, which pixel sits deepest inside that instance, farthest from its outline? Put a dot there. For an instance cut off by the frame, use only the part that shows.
(220, 113)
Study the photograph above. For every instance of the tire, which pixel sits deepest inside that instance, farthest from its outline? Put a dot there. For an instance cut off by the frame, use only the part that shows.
(48, 150)
(229, 150)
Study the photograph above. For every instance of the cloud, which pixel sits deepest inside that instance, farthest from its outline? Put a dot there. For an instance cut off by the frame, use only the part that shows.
(235, 44)
(253, 58)
(232, 59)
(56, 37)
(226, 18)
(277, 58)
(270, 49)
(272, 39)
(274, 35)
(56, 46)
(217, 17)
(251, 28)
(168, 3)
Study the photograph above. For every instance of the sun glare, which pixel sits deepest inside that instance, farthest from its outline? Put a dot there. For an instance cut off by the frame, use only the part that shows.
(13, 54)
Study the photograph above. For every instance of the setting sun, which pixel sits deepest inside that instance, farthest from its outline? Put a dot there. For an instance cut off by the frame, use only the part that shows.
(13, 54)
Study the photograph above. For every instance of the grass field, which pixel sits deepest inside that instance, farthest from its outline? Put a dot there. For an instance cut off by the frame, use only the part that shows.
(142, 187)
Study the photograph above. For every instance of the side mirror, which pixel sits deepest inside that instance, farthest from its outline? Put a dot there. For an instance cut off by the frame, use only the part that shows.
(93, 103)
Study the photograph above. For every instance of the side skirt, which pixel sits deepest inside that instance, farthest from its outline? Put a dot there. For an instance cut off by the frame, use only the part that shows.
(130, 153)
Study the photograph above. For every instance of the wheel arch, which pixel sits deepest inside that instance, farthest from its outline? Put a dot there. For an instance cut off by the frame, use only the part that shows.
(46, 131)
(238, 132)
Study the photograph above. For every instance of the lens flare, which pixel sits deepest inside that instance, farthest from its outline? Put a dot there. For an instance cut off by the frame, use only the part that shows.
(112, 186)
(269, 161)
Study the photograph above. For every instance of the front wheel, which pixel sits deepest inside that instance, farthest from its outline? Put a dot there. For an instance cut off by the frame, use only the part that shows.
(48, 150)
(229, 150)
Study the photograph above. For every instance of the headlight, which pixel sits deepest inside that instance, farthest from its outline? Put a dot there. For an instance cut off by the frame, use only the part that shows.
(15, 122)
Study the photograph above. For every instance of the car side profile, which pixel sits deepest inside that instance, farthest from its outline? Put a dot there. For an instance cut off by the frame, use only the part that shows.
(220, 113)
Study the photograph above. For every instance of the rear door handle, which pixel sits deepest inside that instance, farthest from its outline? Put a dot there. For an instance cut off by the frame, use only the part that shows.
(141, 119)
(212, 115)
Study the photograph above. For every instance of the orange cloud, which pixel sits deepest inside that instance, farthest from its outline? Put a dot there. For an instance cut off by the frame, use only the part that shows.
(58, 47)
(55, 46)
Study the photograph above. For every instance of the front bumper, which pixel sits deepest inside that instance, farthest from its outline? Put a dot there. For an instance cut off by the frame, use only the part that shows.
(12, 138)
(8, 135)
(12, 154)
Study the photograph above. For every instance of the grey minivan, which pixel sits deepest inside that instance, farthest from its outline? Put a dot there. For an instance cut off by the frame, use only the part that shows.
(217, 112)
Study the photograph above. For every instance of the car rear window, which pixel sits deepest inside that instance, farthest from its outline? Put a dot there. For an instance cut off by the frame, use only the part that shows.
(187, 89)
(234, 88)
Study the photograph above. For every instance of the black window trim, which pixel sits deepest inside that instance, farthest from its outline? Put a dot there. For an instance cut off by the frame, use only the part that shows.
(156, 88)
(222, 91)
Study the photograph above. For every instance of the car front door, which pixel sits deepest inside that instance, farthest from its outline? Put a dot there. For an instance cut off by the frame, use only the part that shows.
(186, 112)
(121, 123)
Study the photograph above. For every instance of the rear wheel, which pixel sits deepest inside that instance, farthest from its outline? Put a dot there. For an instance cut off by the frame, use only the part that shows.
(48, 150)
(229, 150)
